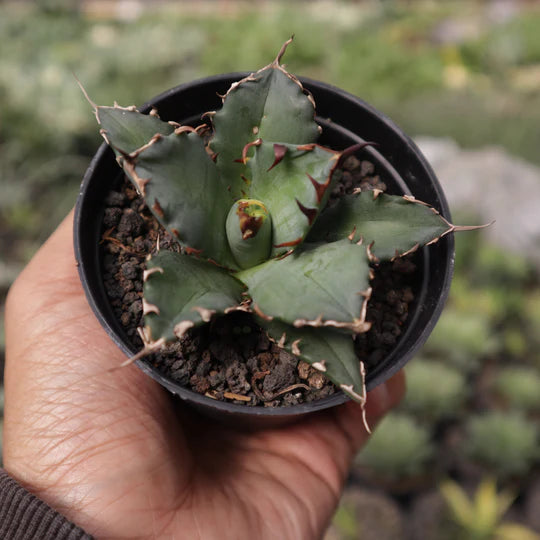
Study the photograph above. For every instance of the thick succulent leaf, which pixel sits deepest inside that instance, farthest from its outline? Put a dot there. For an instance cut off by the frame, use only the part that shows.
(395, 224)
(182, 187)
(278, 110)
(317, 285)
(327, 350)
(293, 183)
(126, 129)
(181, 292)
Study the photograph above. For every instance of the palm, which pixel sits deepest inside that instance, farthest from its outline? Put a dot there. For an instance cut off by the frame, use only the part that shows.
(113, 452)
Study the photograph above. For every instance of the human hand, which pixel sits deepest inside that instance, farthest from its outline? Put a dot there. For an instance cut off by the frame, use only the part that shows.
(115, 454)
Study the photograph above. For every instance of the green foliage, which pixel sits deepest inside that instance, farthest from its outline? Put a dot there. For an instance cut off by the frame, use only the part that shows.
(297, 203)
(519, 386)
(495, 267)
(399, 448)
(531, 323)
(479, 517)
(46, 134)
(490, 281)
(41, 109)
(261, 173)
(434, 391)
(505, 443)
(488, 265)
(60, 7)
(476, 300)
(513, 43)
(496, 289)
(515, 342)
(532, 308)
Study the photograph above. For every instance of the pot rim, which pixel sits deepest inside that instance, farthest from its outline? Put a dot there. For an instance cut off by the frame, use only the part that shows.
(228, 409)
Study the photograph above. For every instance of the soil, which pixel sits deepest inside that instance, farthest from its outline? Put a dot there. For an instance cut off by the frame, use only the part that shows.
(232, 358)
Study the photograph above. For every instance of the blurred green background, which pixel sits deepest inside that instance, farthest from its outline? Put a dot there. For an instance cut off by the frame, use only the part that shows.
(465, 71)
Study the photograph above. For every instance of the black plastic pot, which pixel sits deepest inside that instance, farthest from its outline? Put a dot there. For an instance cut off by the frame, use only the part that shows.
(345, 120)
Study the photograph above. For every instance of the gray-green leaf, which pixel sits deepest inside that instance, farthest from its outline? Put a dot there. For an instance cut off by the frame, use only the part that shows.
(317, 285)
(393, 223)
(293, 188)
(126, 129)
(183, 189)
(270, 105)
(327, 350)
(181, 292)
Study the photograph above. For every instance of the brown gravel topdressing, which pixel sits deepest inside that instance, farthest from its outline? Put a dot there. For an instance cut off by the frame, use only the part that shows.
(231, 358)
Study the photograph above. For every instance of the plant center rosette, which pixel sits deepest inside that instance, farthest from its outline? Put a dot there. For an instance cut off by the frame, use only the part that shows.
(245, 199)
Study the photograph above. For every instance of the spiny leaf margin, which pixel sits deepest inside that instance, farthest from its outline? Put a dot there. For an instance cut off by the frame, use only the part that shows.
(194, 212)
(181, 292)
(391, 225)
(294, 185)
(318, 285)
(327, 350)
(236, 126)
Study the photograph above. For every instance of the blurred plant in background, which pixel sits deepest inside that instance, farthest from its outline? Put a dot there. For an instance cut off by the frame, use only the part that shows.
(436, 69)
(469, 71)
(399, 448)
(519, 388)
(435, 391)
(479, 517)
(474, 395)
(504, 443)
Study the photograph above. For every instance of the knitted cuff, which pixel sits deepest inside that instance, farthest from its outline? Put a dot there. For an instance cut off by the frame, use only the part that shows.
(25, 517)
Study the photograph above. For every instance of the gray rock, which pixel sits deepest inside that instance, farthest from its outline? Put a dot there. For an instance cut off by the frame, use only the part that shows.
(493, 185)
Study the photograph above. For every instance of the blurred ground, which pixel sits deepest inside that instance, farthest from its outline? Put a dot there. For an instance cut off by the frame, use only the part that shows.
(462, 77)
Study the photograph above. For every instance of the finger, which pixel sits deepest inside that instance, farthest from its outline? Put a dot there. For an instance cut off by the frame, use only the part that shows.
(57, 354)
(380, 401)
(49, 323)
(330, 440)
(77, 435)
(350, 420)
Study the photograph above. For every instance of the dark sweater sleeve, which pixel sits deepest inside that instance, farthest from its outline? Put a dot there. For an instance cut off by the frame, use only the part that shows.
(25, 517)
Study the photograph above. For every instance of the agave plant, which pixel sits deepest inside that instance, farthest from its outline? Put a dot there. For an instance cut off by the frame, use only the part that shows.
(245, 200)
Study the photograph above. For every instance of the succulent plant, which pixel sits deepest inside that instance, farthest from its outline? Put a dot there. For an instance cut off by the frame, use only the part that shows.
(365, 513)
(244, 196)
(504, 442)
(400, 448)
(519, 386)
(481, 517)
(462, 338)
(434, 402)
